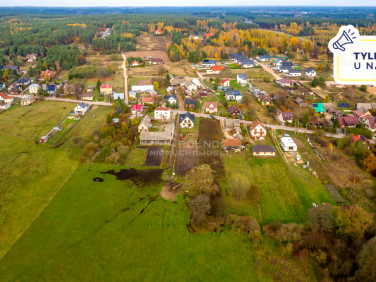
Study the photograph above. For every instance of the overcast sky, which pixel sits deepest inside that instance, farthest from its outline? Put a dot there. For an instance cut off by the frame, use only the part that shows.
(122, 3)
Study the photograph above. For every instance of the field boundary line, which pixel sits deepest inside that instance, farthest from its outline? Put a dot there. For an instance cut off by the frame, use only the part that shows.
(38, 214)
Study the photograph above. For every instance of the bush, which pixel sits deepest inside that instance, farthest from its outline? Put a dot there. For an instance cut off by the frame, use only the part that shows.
(90, 149)
(199, 206)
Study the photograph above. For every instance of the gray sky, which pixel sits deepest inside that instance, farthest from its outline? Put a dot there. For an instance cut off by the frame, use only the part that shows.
(122, 3)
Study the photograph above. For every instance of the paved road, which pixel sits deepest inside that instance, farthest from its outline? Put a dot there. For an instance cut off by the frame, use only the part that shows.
(272, 126)
(125, 79)
(78, 101)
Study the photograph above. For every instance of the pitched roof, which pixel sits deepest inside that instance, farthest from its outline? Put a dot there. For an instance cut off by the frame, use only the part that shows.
(231, 142)
(137, 108)
(5, 96)
(242, 76)
(233, 109)
(318, 107)
(162, 109)
(255, 124)
(232, 92)
(147, 99)
(186, 115)
(213, 104)
(287, 115)
(83, 105)
(86, 95)
(106, 86)
(225, 80)
(216, 68)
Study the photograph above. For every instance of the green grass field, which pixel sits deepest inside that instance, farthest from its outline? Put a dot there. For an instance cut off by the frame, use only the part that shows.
(287, 191)
(32, 173)
(113, 230)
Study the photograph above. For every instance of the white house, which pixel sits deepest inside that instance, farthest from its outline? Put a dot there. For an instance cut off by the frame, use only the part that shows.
(142, 88)
(33, 88)
(5, 98)
(197, 82)
(288, 144)
(241, 79)
(190, 85)
(211, 107)
(295, 72)
(257, 130)
(81, 109)
(162, 113)
(310, 72)
(233, 95)
(187, 120)
(145, 124)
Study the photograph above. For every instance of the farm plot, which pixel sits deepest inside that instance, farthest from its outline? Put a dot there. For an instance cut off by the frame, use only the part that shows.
(187, 159)
(209, 145)
(154, 156)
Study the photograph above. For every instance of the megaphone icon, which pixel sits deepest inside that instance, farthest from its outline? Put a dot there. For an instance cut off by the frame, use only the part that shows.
(343, 40)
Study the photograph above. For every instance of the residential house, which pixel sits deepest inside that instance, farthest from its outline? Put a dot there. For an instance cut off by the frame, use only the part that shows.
(285, 69)
(145, 124)
(286, 117)
(231, 124)
(318, 107)
(189, 103)
(295, 72)
(246, 63)
(329, 108)
(209, 63)
(285, 65)
(31, 58)
(286, 82)
(231, 144)
(208, 35)
(11, 68)
(170, 99)
(27, 100)
(348, 121)
(362, 115)
(187, 120)
(263, 151)
(197, 82)
(234, 111)
(81, 109)
(265, 58)
(211, 107)
(147, 100)
(106, 89)
(170, 89)
(359, 138)
(157, 61)
(118, 96)
(90, 88)
(5, 98)
(162, 113)
(33, 88)
(23, 81)
(13, 88)
(87, 96)
(257, 130)
(51, 89)
(214, 70)
(132, 94)
(370, 123)
(310, 72)
(225, 82)
(316, 122)
(264, 99)
(233, 95)
(190, 85)
(135, 63)
(176, 81)
(365, 106)
(46, 75)
(158, 32)
(241, 79)
(142, 88)
(288, 144)
(136, 110)
(300, 102)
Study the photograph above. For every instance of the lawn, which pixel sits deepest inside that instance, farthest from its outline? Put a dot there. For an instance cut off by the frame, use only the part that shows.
(287, 191)
(114, 230)
(136, 157)
(33, 173)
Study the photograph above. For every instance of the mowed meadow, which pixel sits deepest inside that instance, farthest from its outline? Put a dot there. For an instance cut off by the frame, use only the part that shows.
(61, 220)
(32, 173)
(117, 230)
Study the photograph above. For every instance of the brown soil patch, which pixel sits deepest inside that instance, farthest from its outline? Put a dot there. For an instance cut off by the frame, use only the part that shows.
(152, 43)
(168, 193)
(187, 159)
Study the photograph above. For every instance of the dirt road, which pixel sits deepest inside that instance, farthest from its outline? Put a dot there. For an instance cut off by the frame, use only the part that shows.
(125, 79)
(269, 70)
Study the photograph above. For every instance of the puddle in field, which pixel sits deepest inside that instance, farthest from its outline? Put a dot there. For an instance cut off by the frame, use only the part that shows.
(138, 177)
(98, 179)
